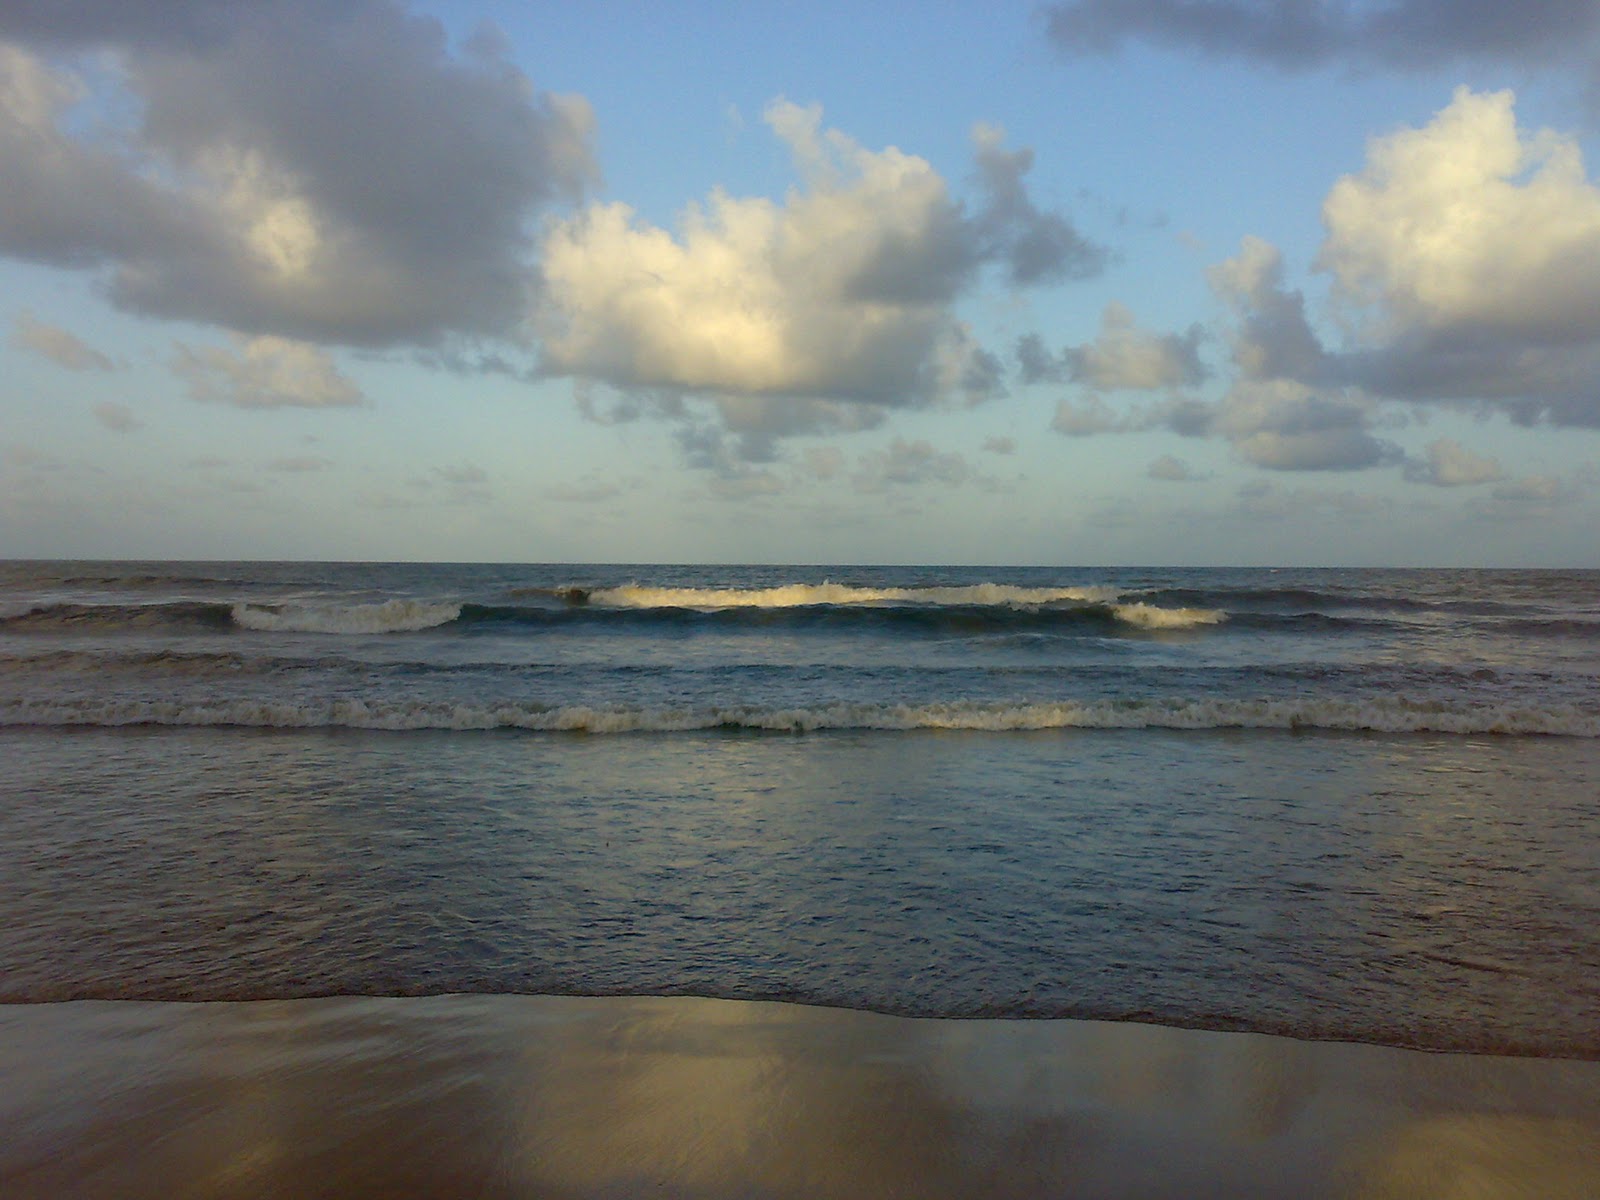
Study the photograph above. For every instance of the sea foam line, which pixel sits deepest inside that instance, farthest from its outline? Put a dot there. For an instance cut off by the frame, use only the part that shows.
(1380, 715)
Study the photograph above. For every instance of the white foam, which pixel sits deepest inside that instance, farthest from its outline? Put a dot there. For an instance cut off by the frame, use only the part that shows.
(392, 616)
(795, 595)
(1149, 616)
(1387, 715)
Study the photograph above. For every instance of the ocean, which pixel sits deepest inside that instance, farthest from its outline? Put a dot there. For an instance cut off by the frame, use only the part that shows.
(1356, 805)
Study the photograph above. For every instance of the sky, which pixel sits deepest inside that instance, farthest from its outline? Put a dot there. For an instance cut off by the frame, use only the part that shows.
(1097, 282)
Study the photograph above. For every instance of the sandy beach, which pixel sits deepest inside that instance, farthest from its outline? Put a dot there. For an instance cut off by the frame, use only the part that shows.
(510, 1096)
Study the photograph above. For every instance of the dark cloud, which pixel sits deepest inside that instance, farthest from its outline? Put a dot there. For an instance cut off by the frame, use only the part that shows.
(1287, 429)
(1036, 246)
(329, 172)
(1037, 363)
(191, 24)
(1302, 34)
(1286, 426)
(1273, 340)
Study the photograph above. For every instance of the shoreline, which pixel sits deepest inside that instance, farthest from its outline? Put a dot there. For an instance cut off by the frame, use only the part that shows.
(510, 1096)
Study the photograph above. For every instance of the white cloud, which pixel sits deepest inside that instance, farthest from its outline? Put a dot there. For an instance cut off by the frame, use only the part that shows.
(1468, 255)
(61, 347)
(264, 372)
(816, 313)
(1464, 223)
(1450, 464)
(1000, 445)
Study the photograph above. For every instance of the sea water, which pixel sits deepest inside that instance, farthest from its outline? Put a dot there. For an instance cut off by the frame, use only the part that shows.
(1348, 804)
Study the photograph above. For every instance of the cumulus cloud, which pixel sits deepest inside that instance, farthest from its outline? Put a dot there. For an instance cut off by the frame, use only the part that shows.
(330, 172)
(1450, 464)
(1465, 223)
(264, 372)
(1469, 254)
(815, 314)
(1121, 356)
(118, 418)
(58, 345)
(1286, 426)
(1125, 356)
(1465, 261)
(1000, 445)
(1398, 34)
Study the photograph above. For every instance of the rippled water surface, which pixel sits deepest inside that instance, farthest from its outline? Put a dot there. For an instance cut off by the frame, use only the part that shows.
(1356, 805)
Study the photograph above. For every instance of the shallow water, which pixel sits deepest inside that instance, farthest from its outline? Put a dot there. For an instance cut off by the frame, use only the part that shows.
(1418, 890)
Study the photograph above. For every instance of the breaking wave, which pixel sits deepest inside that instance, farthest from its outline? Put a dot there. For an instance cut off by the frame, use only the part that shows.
(1384, 715)
(797, 595)
(984, 607)
(391, 616)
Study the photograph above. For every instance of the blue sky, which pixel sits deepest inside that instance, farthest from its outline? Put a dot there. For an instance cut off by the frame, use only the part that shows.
(1096, 282)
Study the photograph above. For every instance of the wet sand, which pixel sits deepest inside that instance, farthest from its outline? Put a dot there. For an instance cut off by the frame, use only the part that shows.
(509, 1096)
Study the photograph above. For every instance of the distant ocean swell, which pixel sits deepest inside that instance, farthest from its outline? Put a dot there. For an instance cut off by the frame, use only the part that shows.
(1388, 715)
(413, 616)
(1057, 614)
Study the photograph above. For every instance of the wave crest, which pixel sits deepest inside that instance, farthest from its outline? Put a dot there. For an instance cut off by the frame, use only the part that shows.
(799, 595)
(1149, 616)
(391, 616)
